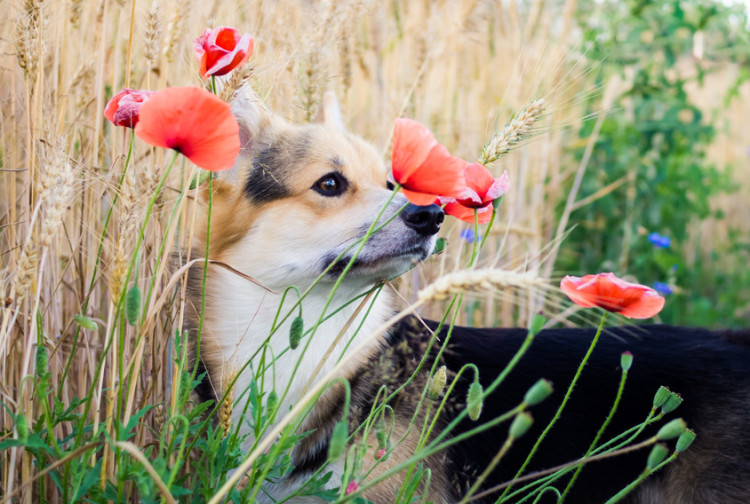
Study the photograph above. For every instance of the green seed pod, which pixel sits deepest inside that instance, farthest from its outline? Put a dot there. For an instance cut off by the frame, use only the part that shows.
(337, 445)
(521, 423)
(658, 453)
(22, 427)
(381, 434)
(685, 440)
(672, 429)
(626, 360)
(85, 322)
(474, 400)
(272, 402)
(661, 396)
(537, 324)
(437, 383)
(133, 305)
(672, 403)
(538, 392)
(440, 245)
(41, 361)
(295, 332)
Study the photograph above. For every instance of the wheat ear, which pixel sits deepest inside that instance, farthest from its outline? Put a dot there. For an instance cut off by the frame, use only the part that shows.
(513, 132)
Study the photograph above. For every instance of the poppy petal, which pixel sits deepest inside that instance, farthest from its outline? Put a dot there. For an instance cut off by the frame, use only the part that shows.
(466, 214)
(500, 186)
(419, 198)
(478, 178)
(412, 142)
(649, 304)
(194, 122)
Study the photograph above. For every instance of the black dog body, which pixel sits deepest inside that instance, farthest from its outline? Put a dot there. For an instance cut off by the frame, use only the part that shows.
(710, 370)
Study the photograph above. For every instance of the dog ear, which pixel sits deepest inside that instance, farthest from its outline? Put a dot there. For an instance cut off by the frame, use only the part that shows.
(329, 113)
(255, 121)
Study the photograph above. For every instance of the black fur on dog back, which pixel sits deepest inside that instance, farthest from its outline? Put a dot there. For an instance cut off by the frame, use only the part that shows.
(711, 370)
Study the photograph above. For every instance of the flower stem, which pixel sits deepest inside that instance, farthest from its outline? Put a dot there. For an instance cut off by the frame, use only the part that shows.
(562, 405)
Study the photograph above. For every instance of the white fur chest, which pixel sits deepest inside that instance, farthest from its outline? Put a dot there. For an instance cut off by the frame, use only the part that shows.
(243, 316)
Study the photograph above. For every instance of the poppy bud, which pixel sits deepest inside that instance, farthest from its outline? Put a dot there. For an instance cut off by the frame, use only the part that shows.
(474, 400)
(672, 403)
(133, 305)
(685, 440)
(380, 453)
(671, 430)
(352, 487)
(272, 402)
(440, 245)
(538, 392)
(537, 324)
(437, 383)
(658, 453)
(380, 434)
(295, 332)
(22, 427)
(337, 444)
(521, 423)
(41, 361)
(661, 396)
(85, 322)
(626, 360)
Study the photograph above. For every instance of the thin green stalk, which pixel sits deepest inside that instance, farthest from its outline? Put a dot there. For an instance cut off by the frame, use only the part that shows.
(612, 410)
(203, 282)
(119, 306)
(645, 474)
(490, 467)
(96, 264)
(562, 405)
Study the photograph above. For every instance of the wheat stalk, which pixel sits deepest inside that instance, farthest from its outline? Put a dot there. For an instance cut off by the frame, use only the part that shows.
(152, 37)
(513, 132)
(479, 280)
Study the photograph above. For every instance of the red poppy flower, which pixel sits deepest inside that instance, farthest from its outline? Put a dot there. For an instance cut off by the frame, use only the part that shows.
(481, 190)
(124, 107)
(221, 50)
(424, 168)
(194, 122)
(464, 213)
(606, 291)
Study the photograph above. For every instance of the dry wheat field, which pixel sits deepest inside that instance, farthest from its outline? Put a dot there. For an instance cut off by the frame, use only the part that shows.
(92, 389)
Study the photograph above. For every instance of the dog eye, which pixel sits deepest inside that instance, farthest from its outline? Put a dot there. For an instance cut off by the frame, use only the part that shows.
(332, 184)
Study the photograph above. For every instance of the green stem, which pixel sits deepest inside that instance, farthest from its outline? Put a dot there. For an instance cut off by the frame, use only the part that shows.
(96, 264)
(562, 405)
(612, 410)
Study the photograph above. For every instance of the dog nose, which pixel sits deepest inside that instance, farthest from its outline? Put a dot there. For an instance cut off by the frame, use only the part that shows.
(425, 220)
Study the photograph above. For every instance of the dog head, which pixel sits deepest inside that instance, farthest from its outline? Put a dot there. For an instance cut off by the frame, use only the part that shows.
(301, 197)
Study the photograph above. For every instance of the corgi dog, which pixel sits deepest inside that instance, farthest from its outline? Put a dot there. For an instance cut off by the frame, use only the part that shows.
(288, 220)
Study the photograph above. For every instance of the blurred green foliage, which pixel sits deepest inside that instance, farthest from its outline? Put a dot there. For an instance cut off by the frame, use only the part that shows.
(654, 142)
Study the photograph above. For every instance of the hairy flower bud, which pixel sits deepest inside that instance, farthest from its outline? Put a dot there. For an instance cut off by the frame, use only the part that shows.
(474, 400)
(538, 392)
(626, 360)
(295, 332)
(437, 383)
(521, 423)
(337, 445)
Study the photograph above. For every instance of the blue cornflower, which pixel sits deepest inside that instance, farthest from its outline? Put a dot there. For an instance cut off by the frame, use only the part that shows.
(468, 235)
(659, 240)
(663, 288)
